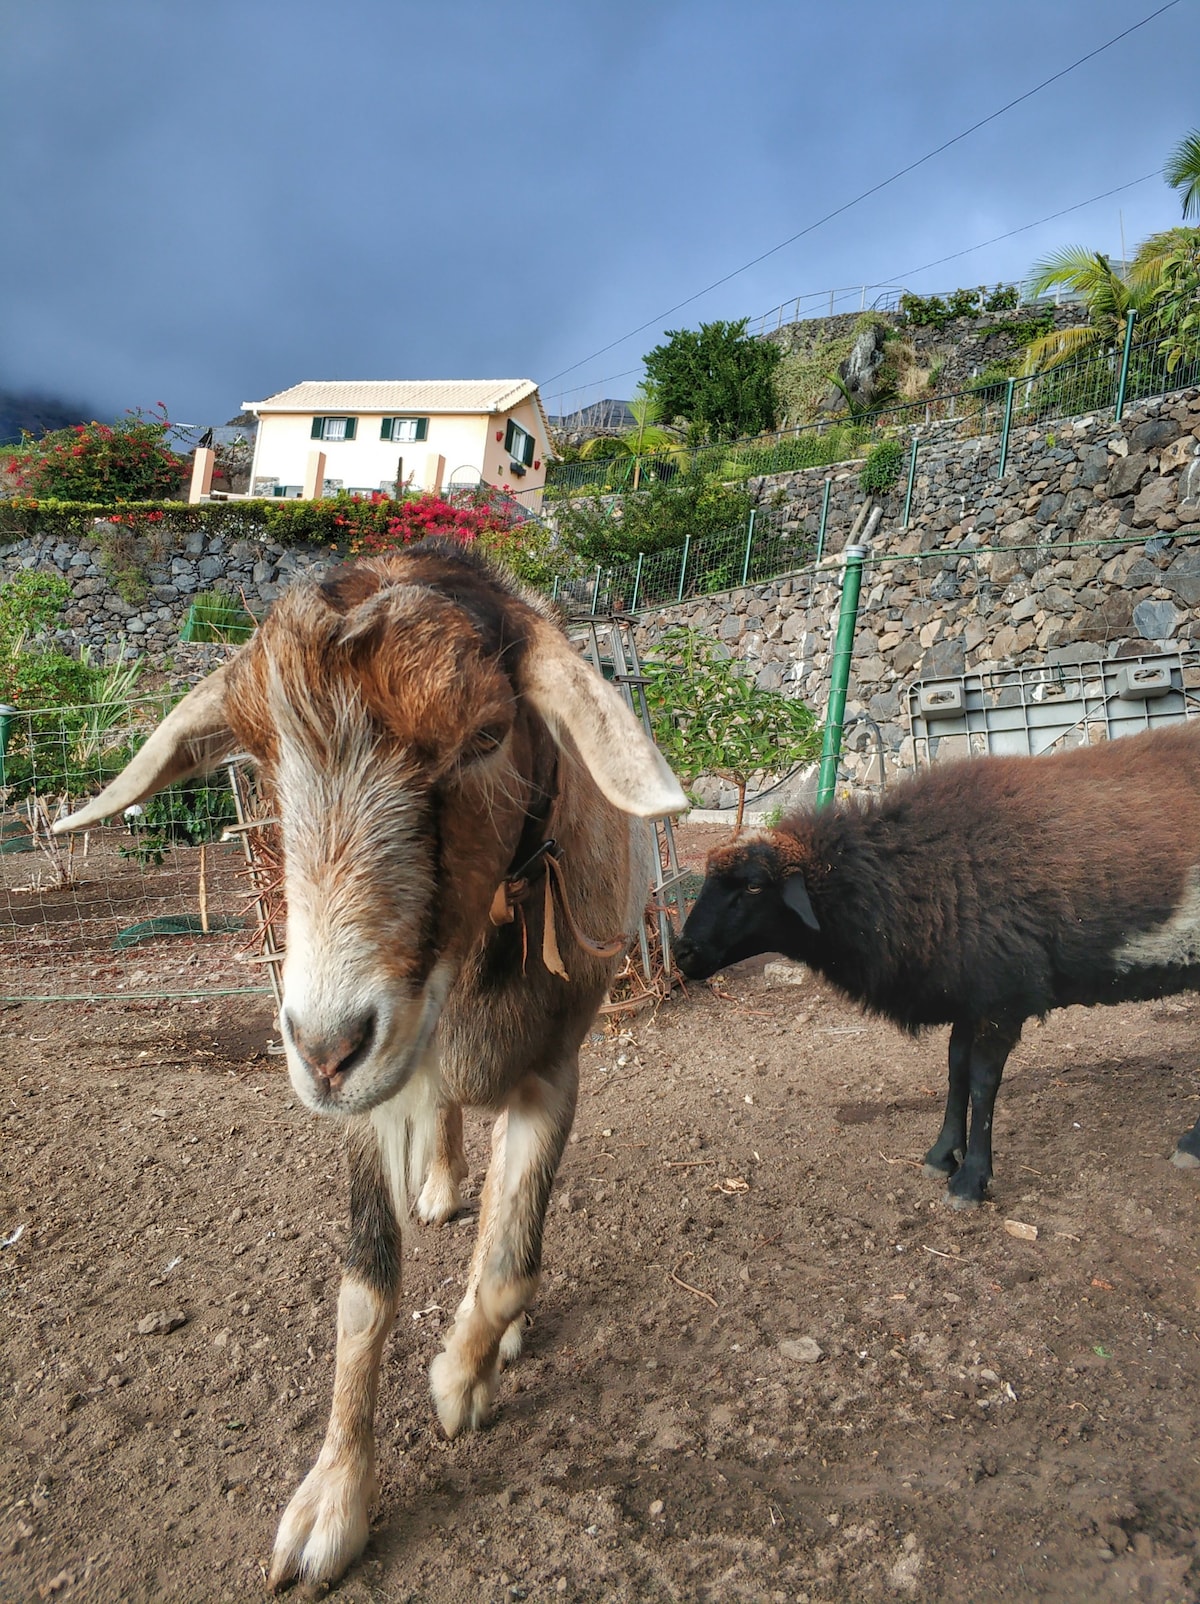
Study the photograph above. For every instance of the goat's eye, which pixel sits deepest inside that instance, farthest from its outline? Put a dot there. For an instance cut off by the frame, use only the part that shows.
(753, 891)
(484, 742)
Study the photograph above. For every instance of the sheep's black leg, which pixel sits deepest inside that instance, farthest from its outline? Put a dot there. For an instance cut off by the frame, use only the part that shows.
(989, 1053)
(948, 1152)
(1187, 1150)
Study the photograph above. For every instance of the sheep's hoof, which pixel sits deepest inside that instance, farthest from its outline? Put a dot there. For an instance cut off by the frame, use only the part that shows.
(1184, 1160)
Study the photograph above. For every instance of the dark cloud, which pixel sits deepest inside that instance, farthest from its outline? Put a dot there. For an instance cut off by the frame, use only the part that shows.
(206, 205)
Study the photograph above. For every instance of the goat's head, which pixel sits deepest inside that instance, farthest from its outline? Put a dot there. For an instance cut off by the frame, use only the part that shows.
(754, 899)
(405, 714)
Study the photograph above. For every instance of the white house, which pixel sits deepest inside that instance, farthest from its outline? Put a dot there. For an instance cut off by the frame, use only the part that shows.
(320, 437)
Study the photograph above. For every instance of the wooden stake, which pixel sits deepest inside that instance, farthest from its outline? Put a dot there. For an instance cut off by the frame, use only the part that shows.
(204, 888)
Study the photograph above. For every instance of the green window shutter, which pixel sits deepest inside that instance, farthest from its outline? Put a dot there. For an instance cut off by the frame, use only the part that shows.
(351, 426)
(527, 450)
(385, 429)
(422, 428)
(508, 436)
(317, 428)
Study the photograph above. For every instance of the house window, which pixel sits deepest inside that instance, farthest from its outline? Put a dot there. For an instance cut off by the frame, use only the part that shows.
(404, 429)
(519, 444)
(334, 428)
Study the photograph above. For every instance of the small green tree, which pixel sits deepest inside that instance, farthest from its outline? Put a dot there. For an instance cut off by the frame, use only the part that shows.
(129, 460)
(710, 717)
(717, 379)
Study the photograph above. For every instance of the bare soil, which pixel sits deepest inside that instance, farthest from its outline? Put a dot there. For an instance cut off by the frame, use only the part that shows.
(767, 1362)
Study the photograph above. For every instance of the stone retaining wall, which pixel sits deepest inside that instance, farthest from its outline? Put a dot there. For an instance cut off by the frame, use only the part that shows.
(1090, 542)
(1085, 547)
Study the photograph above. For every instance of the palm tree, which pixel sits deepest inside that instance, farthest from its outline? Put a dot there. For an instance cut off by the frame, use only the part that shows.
(1182, 172)
(1106, 294)
(647, 438)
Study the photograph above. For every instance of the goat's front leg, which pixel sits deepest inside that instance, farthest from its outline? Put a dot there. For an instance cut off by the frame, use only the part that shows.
(526, 1148)
(993, 1042)
(325, 1525)
(440, 1197)
(948, 1152)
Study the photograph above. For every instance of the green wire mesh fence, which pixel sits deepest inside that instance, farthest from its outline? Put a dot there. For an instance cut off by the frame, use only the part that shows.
(1086, 383)
(172, 900)
(770, 546)
(769, 543)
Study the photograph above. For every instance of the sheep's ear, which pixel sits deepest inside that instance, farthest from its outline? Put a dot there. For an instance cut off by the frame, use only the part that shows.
(193, 737)
(795, 897)
(573, 699)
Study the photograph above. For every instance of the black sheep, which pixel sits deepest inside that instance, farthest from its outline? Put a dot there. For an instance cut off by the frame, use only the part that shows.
(977, 896)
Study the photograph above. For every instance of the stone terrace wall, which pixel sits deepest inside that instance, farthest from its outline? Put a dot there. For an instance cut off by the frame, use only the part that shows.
(1082, 549)
(99, 618)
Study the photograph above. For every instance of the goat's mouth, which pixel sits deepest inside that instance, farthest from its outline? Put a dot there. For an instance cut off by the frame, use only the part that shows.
(365, 1056)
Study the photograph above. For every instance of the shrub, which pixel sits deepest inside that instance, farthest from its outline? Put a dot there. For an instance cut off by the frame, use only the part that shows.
(127, 460)
(72, 703)
(189, 814)
(932, 311)
(883, 466)
(217, 616)
(597, 529)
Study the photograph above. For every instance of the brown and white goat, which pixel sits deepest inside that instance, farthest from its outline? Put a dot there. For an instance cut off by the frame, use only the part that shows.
(448, 773)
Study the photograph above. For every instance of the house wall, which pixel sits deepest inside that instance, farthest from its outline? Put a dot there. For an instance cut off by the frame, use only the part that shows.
(467, 441)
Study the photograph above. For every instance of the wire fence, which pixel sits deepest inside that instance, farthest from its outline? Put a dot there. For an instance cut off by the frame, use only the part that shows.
(772, 544)
(170, 901)
(1086, 383)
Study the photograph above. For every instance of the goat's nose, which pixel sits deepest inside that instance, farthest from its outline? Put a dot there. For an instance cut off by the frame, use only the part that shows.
(334, 1052)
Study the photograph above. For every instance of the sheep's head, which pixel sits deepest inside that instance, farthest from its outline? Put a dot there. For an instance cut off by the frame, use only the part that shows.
(404, 730)
(754, 899)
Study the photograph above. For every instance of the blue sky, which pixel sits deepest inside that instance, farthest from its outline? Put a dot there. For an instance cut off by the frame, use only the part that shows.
(204, 205)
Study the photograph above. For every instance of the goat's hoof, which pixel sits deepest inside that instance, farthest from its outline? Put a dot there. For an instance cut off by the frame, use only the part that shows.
(325, 1526)
(937, 1171)
(462, 1399)
(956, 1201)
(440, 1198)
(1184, 1160)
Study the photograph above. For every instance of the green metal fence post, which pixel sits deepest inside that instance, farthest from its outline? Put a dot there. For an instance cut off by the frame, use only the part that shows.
(912, 475)
(1009, 387)
(7, 714)
(687, 546)
(1123, 380)
(839, 673)
(749, 541)
(824, 518)
(596, 591)
(637, 583)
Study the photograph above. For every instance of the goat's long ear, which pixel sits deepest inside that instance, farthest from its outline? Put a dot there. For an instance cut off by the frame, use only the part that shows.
(569, 694)
(193, 737)
(795, 897)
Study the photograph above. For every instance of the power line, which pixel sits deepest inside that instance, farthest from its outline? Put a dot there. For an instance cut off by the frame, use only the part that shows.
(1024, 229)
(911, 272)
(874, 190)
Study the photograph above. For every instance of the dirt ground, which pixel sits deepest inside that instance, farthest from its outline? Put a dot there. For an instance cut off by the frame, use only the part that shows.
(767, 1362)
